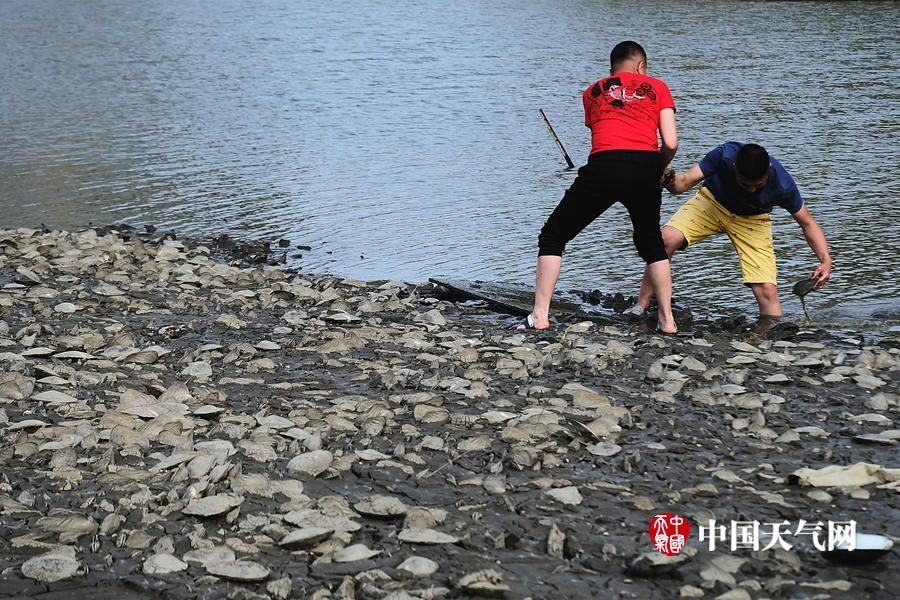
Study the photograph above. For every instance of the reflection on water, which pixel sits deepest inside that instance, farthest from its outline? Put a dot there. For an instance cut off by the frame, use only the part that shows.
(402, 139)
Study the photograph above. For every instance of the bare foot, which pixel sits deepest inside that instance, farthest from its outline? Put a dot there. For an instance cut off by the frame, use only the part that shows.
(541, 321)
(667, 327)
(531, 322)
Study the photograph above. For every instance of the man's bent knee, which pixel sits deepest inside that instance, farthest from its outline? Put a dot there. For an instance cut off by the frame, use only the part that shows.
(767, 291)
(651, 253)
(649, 245)
(551, 241)
(673, 239)
(767, 298)
(550, 247)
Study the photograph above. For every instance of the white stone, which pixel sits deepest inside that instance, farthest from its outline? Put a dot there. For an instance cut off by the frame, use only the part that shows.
(163, 564)
(604, 449)
(198, 370)
(426, 536)
(381, 506)
(312, 463)
(54, 397)
(566, 495)
(308, 536)
(419, 566)
(239, 570)
(53, 566)
(213, 505)
(354, 553)
(208, 556)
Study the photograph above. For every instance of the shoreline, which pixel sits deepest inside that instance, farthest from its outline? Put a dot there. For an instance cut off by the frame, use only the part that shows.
(167, 417)
(717, 318)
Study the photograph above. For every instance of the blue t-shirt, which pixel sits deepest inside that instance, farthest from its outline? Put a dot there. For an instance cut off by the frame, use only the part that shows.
(718, 174)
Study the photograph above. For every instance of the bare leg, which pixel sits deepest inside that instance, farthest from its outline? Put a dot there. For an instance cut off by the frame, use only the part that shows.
(546, 276)
(767, 299)
(645, 296)
(660, 277)
(673, 240)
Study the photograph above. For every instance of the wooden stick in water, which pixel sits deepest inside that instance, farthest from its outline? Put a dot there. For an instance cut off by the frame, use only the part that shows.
(556, 139)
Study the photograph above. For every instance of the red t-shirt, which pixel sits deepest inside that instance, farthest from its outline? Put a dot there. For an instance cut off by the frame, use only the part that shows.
(622, 111)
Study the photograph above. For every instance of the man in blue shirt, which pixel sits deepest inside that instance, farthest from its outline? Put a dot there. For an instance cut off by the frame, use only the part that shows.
(741, 185)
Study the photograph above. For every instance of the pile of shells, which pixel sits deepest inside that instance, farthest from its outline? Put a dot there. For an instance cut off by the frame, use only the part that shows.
(174, 421)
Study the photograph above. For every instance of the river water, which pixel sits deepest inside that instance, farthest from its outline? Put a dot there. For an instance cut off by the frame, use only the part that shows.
(401, 139)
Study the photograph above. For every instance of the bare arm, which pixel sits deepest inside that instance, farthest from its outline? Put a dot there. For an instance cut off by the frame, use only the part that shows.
(668, 133)
(682, 182)
(815, 237)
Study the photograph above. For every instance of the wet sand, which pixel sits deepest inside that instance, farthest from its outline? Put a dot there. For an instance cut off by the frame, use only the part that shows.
(140, 376)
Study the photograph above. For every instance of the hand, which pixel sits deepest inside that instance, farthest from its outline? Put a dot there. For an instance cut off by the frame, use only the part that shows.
(668, 177)
(822, 274)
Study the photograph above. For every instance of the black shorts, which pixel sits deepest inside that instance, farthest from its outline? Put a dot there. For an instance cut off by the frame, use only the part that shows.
(627, 176)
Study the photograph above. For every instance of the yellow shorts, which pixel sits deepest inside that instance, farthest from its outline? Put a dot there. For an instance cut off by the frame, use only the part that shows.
(702, 216)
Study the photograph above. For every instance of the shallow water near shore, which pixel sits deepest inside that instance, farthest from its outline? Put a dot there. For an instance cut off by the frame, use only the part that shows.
(399, 140)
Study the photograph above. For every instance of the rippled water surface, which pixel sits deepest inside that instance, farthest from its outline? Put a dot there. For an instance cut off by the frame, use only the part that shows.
(402, 139)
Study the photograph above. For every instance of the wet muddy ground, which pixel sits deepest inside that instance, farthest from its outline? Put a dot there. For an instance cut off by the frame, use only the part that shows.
(178, 423)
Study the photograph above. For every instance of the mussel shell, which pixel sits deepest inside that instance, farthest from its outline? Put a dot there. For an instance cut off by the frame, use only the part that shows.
(804, 286)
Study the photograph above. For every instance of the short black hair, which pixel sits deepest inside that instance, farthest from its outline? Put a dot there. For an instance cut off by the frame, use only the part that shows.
(625, 50)
(752, 162)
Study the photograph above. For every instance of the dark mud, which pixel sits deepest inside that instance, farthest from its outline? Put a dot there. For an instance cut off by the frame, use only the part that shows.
(702, 434)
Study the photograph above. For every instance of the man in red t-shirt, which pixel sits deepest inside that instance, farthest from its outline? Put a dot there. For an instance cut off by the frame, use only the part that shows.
(624, 111)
